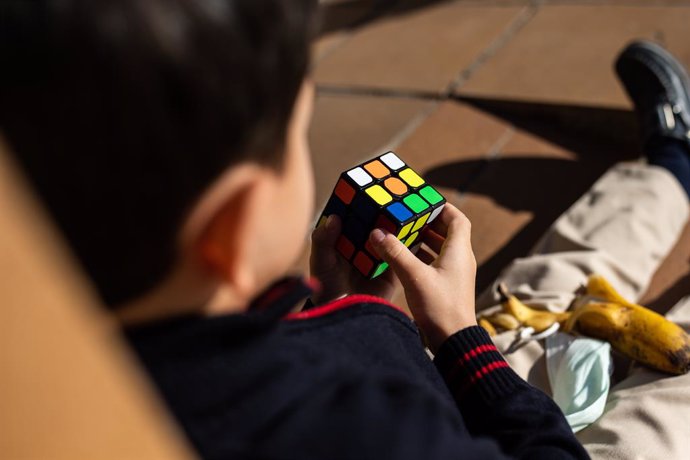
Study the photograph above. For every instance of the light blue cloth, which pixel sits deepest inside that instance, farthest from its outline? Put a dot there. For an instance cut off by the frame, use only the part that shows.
(579, 373)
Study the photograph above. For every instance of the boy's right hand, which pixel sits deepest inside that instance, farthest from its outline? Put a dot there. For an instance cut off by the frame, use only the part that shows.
(440, 295)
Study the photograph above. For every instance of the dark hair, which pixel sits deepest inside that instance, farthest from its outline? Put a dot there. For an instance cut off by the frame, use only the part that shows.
(122, 112)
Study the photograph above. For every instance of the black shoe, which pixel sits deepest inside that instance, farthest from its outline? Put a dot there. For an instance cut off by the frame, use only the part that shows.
(659, 87)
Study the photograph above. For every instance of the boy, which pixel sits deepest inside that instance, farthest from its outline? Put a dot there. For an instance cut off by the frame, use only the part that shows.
(164, 136)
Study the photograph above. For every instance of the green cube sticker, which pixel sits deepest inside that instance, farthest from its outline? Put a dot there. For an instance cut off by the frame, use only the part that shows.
(431, 195)
(381, 268)
(415, 203)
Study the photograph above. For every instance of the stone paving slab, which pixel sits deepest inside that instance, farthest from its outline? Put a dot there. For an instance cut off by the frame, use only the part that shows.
(422, 50)
(565, 53)
(453, 132)
(326, 44)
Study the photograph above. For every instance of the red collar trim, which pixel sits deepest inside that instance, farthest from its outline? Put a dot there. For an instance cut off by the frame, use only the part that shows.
(284, 294)
(340, 304)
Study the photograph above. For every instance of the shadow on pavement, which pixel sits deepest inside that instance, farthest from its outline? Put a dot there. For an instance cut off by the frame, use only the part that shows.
(568, 125)
(671, 296)
(544, 187)
(350, 14)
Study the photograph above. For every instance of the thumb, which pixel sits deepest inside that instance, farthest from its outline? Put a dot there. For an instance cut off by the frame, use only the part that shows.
(323, 253)
(324, 236)
(397, 255)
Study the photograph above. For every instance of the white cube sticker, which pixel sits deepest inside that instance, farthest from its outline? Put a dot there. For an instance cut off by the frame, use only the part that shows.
(392, 161)
(360, 176)
(435, 214)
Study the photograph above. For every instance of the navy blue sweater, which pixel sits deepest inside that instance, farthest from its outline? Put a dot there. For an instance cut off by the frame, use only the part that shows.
(347, 380)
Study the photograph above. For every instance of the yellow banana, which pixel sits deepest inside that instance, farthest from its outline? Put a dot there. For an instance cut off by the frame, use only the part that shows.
(637, 332)
(483, 322)
(537, 319)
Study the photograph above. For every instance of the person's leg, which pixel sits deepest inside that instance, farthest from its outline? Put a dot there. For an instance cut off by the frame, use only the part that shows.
(623, 228)
(672, 155)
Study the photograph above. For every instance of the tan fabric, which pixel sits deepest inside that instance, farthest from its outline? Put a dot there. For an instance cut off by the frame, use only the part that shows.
(622, 228)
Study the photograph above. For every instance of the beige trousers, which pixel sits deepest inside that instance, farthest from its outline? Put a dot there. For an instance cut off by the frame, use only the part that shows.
(622, 228)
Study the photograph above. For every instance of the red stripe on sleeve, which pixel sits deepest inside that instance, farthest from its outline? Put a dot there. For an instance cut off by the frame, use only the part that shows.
(467, 357)
(477, 351)
(480, 374)
(339, 305)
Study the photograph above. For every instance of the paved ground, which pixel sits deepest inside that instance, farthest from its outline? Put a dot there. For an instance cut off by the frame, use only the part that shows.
(510, 107)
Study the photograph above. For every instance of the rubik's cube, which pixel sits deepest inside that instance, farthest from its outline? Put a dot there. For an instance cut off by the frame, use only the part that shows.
(380, 193)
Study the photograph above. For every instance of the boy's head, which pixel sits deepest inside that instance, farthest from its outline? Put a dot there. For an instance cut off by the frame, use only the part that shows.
(166, 137)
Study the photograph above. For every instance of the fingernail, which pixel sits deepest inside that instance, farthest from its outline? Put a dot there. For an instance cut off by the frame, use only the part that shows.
(377, 236)
(329, 222)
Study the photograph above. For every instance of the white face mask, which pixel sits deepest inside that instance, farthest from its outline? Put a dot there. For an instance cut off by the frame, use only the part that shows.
(579, 371)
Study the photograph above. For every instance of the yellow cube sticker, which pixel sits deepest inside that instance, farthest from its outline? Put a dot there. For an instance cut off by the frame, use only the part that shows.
(411, 177)
(420, 222)
(379, 194)
(411, 239)
(405, 231)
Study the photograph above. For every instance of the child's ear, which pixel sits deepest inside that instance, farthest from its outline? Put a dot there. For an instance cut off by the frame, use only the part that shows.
(223, 243)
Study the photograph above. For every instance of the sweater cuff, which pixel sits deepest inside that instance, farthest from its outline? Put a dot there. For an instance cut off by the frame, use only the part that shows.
(471, 365)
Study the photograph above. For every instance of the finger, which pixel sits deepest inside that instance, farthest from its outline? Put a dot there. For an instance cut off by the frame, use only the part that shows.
(323, 253)
(441, 223)
(326, 235)
(433, 240)
(395, 253)
(458, 241)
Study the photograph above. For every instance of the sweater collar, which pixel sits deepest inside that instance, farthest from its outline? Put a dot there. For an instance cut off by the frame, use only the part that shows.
(283, 296)
(263, 312)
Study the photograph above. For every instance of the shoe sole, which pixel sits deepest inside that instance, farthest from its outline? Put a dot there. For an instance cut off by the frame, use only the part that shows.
(649, 51)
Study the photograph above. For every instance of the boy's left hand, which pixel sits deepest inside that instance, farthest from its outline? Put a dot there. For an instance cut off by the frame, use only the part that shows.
(337, 276)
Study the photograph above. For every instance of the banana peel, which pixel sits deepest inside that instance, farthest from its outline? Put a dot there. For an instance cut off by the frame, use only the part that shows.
(504, 321)
(603, 313)
(597, 286)
(499, 320)
(537, 319)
